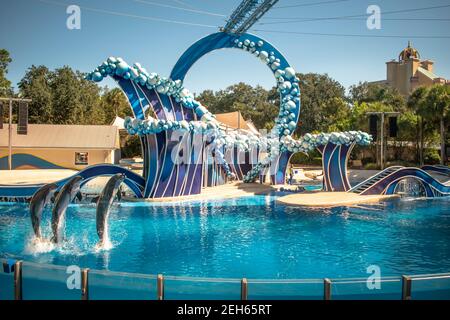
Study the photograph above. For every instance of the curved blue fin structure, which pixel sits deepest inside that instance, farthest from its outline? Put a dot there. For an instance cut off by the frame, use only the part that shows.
(334, 165)
(444, 170)
(386, 182)
(278, 169)
(134, 181)
(164, 178)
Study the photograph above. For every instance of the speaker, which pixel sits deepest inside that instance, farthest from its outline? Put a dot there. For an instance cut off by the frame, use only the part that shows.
(22, 122)
(373, 126)
(393, 128)
(1, 115)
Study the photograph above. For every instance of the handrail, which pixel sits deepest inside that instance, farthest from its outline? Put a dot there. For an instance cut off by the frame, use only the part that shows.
(415, 278)
(373, 177)
(285, 281)
(238, 280)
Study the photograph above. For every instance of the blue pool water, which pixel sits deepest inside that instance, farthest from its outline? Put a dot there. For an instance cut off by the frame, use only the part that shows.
(252, 237)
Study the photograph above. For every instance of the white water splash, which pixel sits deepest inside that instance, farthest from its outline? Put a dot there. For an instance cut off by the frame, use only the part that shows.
(74, 244)
(105, 244)
(36, 245)
(61, 228)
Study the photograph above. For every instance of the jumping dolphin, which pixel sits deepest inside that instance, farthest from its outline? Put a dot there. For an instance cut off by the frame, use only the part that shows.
(37, 204)
(104, 204)
(64, 198)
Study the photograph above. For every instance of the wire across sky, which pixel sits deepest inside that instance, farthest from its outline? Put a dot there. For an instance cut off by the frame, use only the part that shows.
(187, 8)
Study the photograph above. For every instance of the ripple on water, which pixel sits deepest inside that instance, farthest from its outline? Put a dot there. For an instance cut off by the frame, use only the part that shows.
(253, 237)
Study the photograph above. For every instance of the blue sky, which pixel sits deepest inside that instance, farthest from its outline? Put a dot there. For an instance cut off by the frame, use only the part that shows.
(34, 31)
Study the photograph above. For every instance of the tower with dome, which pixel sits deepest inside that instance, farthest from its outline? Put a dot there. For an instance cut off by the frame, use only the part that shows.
(409, 72)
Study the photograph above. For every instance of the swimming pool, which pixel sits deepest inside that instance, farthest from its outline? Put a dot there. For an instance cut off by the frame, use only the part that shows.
(250, 237)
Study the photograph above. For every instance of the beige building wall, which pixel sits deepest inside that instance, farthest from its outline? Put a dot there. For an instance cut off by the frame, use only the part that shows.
(401, 75)
(64, 157)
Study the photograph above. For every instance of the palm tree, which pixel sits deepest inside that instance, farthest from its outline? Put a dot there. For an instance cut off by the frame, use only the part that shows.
(416, 103)
(437, 103)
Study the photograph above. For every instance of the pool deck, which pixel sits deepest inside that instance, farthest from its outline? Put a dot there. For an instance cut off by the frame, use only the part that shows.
(226, 191)
(330, 199)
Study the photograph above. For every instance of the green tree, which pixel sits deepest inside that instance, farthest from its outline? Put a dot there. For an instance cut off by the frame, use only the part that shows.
(408, 123)
(208, 98)
(75, 100)
(373, 92)
(115, 104)
(5, 84)
(359, 118)
(67, 108)
(90, 101)
(35, 85)
(416, 103)
(337, 114)
(437, 103)
(323, 105)
(255, 103)
(61, 96)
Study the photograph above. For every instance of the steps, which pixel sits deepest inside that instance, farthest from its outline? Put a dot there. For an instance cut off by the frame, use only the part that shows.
(359, 188)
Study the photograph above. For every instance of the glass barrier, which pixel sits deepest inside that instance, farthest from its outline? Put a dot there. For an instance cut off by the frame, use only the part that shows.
(389, 288)
(105, 285)
(48, 282)
(430, 287)
(186, 288)
(53, 282)
(6, 281)
(263, 289)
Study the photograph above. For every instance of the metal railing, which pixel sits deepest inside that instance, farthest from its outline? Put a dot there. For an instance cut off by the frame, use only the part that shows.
(329, 286)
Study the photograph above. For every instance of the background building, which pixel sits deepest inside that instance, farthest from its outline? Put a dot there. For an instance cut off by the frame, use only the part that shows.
(60, 146)
(410, 72)
(235, 120)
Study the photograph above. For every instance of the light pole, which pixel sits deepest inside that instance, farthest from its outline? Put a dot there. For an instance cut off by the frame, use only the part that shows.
(11, 100)
(383, 115)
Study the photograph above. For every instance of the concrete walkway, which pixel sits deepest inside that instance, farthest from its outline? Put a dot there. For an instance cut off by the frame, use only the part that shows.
(330, 199)
(226, 191)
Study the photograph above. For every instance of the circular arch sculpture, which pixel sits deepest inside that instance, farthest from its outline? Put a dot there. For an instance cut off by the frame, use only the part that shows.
(277, 63)
(222, 40)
